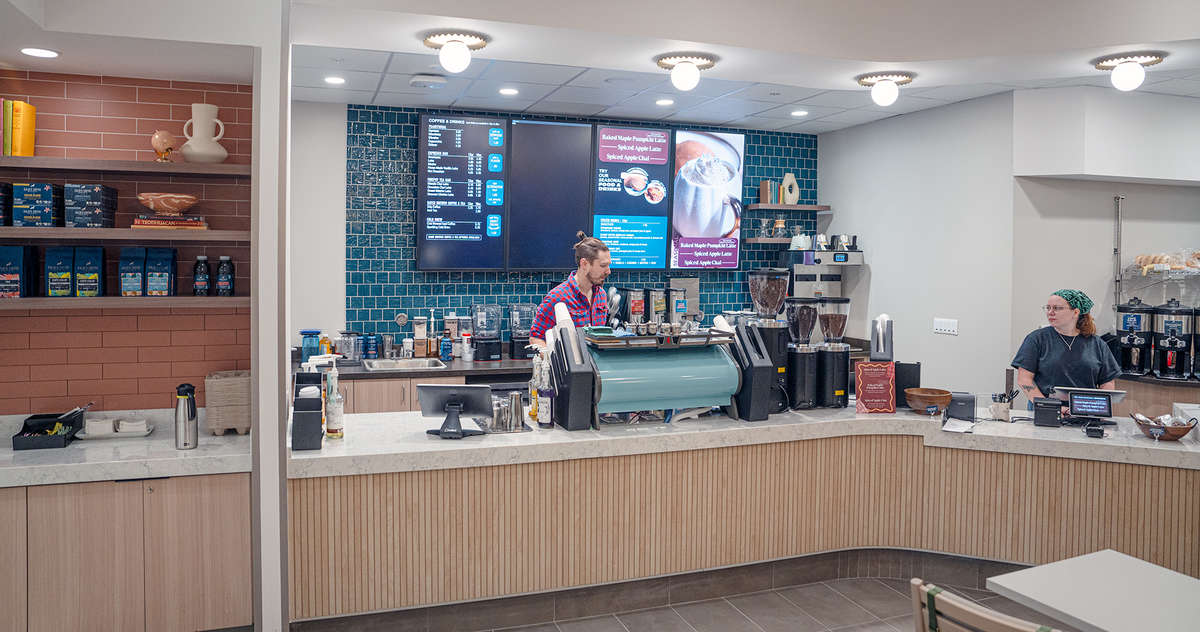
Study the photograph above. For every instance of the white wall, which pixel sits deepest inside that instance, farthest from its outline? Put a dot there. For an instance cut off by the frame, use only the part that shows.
(318, 211)
(930, 196)
(1063, 238)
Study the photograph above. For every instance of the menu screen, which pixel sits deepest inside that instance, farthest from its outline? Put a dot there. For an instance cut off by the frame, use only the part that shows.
(461, 182)
(706, 208)
(630, 201)
(549, 197)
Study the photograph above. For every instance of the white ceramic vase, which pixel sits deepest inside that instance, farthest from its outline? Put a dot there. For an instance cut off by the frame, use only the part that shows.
(791, 190)
(202, 145)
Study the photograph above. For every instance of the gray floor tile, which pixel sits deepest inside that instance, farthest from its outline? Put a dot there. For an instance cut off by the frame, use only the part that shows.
(1014, 609)
(416, 620)
(655, 620)
(901, 624)
(607, 623)
(496, 613)
(541, 627)
(873, 596)
(773, 613)
(826, 605)
(610, 599)
(901, 586)
(804, 570)
(716, 615)
(738, 580)
(870, 626)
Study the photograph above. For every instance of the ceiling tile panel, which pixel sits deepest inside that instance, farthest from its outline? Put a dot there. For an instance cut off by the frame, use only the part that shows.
(785, 112)
(558, 107)
(489, 89)
(325, 95)
(454, 86)
(599, 96)
(1182, 87)
(620, 80)
(501, 104)
(907, 103)
(776, 93)
(529, 73)
(735, 108)
(757, 122)
(412, 63)
(340, 58)
(355, 80)
(637, 112)
(709, 87)
(956, 93)
(840, 99)
(400, 99)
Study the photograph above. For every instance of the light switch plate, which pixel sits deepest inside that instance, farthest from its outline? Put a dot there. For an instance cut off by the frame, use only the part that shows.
(948, 326)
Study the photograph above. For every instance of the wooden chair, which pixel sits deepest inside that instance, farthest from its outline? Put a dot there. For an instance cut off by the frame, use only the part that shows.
(952, 613)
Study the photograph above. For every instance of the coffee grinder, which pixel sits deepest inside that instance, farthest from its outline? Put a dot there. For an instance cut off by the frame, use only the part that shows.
(1135, 335)
(485, 322)
(520, 321)
(1172, 340)
(768, 289)
(802, 355)
(833, 358)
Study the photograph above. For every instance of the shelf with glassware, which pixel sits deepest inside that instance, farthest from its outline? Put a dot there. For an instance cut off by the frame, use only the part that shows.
(819, 209)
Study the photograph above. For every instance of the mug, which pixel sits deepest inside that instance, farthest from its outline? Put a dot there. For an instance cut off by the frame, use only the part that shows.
(703, 205)
(822, 242)
(801, 242)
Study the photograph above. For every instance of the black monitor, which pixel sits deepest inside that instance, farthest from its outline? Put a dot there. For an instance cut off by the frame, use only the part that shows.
(1090, 406)
(453, 401)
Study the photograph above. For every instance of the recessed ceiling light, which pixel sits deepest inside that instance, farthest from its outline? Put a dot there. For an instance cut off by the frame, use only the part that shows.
(454, 47)
(40, 52)
(685, 67)
(1128, 69)
(799, 112)
(885, 86)
(335, 80)
(665, 102)
(508, 92)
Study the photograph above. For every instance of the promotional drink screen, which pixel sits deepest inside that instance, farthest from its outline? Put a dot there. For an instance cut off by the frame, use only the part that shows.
(706, 208)
(630, 198)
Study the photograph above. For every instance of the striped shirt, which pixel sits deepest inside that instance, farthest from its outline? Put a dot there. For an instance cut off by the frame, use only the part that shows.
(583, 312)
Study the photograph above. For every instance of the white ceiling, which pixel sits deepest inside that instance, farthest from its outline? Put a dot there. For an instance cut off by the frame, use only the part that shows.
(382, 78)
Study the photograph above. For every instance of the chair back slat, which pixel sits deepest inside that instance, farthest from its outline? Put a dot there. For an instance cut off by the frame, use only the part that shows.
(959, 614)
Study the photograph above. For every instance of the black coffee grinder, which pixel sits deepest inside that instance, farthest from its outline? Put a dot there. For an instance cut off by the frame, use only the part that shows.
(833, 359)
(1135, 335)
(520, 321)
(1173, 340)
(802, 355)
(768, 289)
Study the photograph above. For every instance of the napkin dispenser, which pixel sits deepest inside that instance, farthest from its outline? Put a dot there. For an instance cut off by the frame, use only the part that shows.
(881, 339)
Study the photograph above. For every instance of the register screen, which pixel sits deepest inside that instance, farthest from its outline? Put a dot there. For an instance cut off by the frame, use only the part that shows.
(1090, 405)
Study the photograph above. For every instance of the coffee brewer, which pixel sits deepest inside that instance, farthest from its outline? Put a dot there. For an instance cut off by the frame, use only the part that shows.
(1135, 336)
(819, 272)
(833, 358)
(520, 321)
(1173, 324)
(768, 289)
(802, 356)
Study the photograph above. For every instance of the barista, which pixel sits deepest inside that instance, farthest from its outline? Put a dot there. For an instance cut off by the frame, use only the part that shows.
(582, 291)
(1067, 352)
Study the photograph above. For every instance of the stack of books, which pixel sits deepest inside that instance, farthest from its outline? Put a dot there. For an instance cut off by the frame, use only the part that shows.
(173, 222)
(20, 119)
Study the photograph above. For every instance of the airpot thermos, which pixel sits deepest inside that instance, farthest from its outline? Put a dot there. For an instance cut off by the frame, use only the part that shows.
(1135, 335)
(1172, 340)
(187, 432)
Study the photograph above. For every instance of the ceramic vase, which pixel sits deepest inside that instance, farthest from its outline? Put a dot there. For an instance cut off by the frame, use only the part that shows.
(791, 190)
(202, 145)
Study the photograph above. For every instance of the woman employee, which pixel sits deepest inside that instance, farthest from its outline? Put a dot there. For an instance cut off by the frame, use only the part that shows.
(1067, 352)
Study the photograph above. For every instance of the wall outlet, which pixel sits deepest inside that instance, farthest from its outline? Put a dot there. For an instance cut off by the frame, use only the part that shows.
(948, 326)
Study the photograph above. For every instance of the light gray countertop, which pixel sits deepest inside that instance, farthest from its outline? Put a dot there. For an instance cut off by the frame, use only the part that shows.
(152, 456)
(396, 442)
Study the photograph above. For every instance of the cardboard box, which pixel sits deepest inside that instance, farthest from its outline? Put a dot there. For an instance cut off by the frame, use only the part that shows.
(37, 215)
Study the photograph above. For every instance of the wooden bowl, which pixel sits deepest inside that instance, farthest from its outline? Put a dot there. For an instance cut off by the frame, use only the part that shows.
(167, 203)
(920, 399)
(1166, 433)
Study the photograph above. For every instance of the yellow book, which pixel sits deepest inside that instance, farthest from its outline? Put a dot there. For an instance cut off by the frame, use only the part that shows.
(24, 121)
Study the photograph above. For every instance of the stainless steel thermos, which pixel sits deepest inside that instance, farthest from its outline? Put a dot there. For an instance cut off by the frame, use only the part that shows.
(187, 431)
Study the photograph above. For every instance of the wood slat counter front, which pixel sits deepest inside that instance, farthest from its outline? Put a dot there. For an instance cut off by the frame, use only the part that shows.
(389, 518)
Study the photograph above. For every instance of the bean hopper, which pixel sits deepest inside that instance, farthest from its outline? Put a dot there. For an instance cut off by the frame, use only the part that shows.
(802, 355)
(768, 289)
(1172, 340)
(1135, 335)
(833, 359)
(485, 322)
(520, 321)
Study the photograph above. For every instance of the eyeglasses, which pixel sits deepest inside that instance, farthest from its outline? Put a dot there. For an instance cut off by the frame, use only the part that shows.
(1054, 308)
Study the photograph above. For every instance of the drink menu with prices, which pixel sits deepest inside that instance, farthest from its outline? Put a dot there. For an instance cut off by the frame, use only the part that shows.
(461, 179)
(630, 208)
(706, 206)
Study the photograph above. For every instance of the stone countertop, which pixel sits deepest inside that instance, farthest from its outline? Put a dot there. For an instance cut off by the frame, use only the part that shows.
(153, 456)
(455, 367)
(396, 442)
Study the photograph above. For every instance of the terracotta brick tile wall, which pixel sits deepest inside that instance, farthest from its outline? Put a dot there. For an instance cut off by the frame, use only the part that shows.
(121, 359)
(111, 118)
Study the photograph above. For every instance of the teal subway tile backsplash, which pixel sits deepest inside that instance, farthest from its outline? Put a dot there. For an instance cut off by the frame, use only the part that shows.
(381, 190)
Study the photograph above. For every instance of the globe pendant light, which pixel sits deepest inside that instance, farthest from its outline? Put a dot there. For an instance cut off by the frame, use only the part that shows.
(885, 93)
(885, 86)
(454, 56)
(685, 68)
(1128, 70)
(454, 48)
(685, 76)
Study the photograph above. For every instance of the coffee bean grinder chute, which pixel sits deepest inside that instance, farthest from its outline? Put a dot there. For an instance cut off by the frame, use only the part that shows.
(1173, 324)
(802, 355)
(768, 289)
(1135, 335)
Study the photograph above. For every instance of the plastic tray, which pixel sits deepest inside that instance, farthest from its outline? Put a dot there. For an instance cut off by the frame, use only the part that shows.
(44, 421)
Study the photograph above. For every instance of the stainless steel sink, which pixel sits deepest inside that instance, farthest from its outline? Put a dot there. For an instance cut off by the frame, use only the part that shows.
(407, 364)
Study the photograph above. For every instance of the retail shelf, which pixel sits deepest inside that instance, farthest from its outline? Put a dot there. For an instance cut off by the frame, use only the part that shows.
(101, 302)
(768, 240)
(32, 233)
(821, 209)
(126, 166)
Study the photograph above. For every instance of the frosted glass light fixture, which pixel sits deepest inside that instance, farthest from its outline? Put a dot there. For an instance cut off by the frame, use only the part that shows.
(454, 48)
(885, 86)
(44, 53)
(685, 68)
(1128, 69)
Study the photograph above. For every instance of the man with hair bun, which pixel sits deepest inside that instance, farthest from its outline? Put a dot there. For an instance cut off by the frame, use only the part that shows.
(582, 291)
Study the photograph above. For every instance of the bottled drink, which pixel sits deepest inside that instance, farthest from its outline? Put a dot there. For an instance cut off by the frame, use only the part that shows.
(225, 277)
(200, 285)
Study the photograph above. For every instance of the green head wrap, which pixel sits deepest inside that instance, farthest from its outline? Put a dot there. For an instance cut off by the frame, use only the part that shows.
(1076, 299)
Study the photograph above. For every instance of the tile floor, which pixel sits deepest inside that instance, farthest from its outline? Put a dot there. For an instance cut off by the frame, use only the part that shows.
(844, 605)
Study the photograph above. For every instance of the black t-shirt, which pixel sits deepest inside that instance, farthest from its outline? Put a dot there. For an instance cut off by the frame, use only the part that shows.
(1087, 364)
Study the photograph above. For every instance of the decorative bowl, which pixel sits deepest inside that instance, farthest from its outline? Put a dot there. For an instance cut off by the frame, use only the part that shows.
(920, 399)
(1165, 433)
(167, 203)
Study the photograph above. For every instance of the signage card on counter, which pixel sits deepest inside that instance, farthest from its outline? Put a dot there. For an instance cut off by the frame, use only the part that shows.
(875, 387)
(461, 176)
(632, 184)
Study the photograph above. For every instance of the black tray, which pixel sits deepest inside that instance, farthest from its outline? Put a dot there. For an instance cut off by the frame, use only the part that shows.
(45, 422)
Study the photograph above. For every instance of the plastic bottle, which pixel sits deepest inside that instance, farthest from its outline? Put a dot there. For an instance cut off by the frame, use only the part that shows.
(225, 277)
(200, 284)
(447, 347)
(333, 414)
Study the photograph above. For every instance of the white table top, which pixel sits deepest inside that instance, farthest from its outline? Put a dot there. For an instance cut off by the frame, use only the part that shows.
(1106, 591)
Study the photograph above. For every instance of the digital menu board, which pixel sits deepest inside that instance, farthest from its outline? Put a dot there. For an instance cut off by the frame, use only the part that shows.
(461, 176)
(630, 199)
(706, 208)
(550, 170)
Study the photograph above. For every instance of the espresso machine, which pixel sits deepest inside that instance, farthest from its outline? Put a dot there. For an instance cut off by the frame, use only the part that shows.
(485, 322)
(802, 355)
(1135, 336)
(833, 358)
(768, 289)
(1173, 340)
(520, 321)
